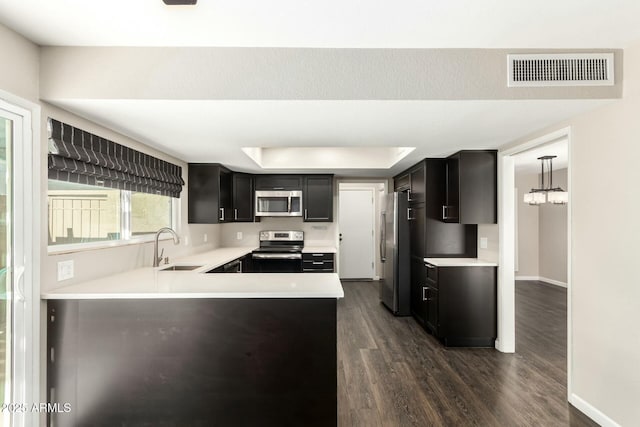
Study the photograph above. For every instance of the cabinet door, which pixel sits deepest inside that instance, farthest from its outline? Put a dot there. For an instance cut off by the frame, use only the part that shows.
(242, 197)
(225, 196)
(417, 188)
(203, 187)
(416, 215)
(478, 187)
(432, 299)
(402, 182)
(318, 198)
(278, 182)
(452, 190)
(418, 279)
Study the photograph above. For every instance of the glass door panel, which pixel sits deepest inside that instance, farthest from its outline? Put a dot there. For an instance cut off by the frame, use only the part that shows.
(6, 127)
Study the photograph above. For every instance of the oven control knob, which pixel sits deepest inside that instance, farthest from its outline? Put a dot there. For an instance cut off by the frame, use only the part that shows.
(264, 235)
(298, 235)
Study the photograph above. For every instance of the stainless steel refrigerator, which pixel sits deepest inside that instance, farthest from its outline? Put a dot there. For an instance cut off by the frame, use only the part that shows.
(394, 254)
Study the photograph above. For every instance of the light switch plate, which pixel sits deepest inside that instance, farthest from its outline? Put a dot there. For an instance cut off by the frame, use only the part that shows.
(239, 235)
(65, 270)
(484, 243)
(205, 237)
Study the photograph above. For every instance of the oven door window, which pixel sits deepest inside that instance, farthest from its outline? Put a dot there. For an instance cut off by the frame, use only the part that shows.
(273, 204)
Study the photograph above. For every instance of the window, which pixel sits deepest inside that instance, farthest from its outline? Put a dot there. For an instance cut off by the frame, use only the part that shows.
(102, 191)
(83, 214)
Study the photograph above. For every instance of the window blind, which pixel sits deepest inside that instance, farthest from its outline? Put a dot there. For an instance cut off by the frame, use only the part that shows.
(84, 158)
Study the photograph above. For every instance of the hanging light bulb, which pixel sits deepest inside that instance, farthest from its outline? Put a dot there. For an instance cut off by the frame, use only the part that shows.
(555, 195)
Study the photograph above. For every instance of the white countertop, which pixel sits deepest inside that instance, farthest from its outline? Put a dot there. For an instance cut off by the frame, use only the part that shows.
(319, 249)
(150, 282)
(460, 262)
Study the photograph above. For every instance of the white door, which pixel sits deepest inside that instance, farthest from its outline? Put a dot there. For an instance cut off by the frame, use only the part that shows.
(355, 223)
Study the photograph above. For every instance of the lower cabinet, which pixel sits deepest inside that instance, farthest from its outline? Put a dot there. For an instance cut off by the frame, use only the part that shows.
(459, 305)
(318, 263)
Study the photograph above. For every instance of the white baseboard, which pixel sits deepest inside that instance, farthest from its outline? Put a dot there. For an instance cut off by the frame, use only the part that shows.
(527, 277)
(553, 282)
(592, 412)
(543, 279)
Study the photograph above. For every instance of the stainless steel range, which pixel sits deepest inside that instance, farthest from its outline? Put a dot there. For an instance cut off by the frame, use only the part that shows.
(279, 252)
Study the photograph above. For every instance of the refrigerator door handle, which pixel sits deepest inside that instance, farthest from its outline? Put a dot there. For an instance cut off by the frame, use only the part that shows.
(383, 236)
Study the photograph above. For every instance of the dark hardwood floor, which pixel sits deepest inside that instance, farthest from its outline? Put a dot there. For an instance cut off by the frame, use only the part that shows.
(392, 373)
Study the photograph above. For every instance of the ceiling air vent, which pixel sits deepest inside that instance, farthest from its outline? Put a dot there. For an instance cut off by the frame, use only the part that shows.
(565, 69)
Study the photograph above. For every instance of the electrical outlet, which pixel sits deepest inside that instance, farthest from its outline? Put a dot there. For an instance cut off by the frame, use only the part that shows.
(484, 243)
(239, 235)
(65, 270)
(205, 237)
(186, 240)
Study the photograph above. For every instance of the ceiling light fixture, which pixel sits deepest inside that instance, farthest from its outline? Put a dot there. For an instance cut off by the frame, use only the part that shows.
(180, 2)
(551, 194)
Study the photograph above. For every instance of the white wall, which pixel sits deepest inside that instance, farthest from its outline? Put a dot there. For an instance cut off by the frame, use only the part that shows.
(20, 66)
(604, 279)
(552, 238)
(527, 228)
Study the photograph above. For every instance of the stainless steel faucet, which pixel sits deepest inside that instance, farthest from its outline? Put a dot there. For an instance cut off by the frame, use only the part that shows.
(176, 240)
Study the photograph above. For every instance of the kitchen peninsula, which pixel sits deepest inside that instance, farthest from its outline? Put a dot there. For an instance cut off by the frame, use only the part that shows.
(186, 347)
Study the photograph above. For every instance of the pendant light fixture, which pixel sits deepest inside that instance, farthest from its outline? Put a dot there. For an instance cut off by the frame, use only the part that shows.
(548, 193)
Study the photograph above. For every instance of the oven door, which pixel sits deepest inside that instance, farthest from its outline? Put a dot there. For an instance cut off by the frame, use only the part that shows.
(278, 203)
(277, 262)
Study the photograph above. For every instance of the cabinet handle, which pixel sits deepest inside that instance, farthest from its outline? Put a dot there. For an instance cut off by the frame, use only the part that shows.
(409, 199)
(221, 214)
(235, 214)
(317, 254)
(425, 289)
(409, 217)
(305, 214)
(278, 188)
(318, 263)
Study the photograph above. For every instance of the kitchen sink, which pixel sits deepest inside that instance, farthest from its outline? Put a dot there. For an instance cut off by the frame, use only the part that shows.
(181, 268)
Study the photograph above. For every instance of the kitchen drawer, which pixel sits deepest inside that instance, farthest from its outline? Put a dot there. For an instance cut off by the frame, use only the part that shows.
(318, 266)
(315, 256)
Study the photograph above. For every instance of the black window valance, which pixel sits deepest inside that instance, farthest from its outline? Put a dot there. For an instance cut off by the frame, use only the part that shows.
(84, 158)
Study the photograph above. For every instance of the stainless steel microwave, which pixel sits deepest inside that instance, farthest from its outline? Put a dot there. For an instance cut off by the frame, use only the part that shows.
(278, 203)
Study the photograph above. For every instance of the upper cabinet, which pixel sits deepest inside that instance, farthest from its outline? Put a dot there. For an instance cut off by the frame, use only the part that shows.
(471, 188)
(413, 182)
(317, 193)
(242, 189)
(217, 195)
(209, 193)
(278, 182)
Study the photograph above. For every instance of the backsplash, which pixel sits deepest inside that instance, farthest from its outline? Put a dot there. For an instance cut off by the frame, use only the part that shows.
(315, 233)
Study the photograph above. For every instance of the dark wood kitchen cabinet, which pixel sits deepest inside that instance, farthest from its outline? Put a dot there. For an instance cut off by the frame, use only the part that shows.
(460, 304)
(193, 362)
(471, 188)
(278, 182)
(209, 194)
(242, 189)
(417, 218)
(317, 195)
(318, 263)
(413, 181)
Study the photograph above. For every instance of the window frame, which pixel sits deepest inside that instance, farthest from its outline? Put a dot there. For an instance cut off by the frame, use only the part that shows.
(127, 238)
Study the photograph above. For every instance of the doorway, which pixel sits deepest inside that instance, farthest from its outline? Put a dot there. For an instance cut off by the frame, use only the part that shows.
(358, 226)
(508, 203)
